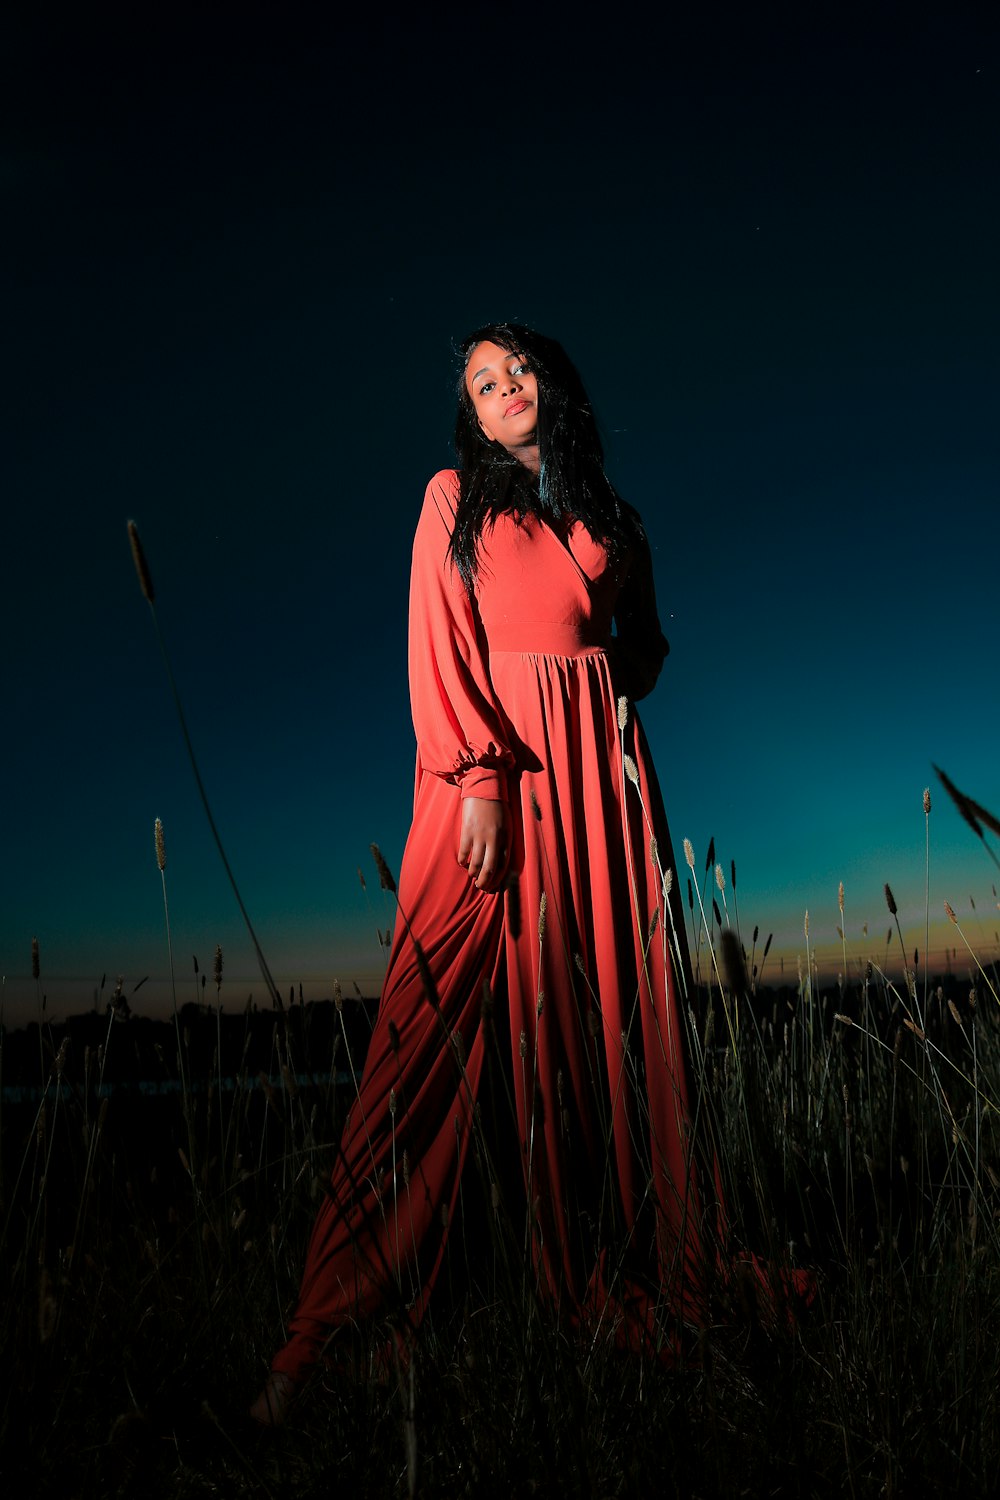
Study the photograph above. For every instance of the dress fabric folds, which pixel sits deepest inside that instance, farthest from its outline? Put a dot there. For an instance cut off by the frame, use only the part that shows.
(516, 696)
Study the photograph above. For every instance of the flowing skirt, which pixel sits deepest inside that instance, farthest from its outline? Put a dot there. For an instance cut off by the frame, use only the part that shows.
(584, 962)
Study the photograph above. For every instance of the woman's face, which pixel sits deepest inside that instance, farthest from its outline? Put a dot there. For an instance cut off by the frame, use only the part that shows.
(504, 396)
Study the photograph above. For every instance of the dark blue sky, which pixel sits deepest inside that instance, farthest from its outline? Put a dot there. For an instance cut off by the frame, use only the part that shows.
(235, 259)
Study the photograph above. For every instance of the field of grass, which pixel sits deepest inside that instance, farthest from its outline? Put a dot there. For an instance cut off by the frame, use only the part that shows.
(152, 1244)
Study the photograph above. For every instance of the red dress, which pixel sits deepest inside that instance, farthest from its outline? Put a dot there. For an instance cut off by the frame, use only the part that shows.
(515, 696)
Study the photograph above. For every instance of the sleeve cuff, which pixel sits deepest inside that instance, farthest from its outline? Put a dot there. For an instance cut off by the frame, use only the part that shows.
(485, 781)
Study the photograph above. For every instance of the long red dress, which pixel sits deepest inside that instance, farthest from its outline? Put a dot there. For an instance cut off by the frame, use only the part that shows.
(516, 696)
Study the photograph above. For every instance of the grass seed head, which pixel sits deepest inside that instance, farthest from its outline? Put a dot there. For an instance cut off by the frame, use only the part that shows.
(161, 849)
(840, 897)
(720, 879)
(35, 964)
(622, 712)
(890, 901)
(384, 873)
(689, 853)
(631, 770)
(733, 964)
(927, 799)
(141, 565)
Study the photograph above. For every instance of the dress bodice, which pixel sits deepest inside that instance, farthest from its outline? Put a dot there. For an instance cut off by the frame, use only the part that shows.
(539, 591)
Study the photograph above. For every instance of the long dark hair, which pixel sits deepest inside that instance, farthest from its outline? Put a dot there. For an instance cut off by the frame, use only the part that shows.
(571, 481)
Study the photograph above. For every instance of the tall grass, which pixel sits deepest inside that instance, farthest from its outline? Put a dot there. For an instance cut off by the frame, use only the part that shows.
(149, 1269)
(151, 1250)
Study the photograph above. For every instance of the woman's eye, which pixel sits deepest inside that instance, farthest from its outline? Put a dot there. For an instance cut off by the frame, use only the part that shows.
(519, 370)
(486, 387)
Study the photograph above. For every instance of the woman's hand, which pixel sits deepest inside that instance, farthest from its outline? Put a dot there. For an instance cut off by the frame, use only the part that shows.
(484, 847)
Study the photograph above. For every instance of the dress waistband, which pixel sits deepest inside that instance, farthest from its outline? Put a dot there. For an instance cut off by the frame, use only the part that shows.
(543, 638)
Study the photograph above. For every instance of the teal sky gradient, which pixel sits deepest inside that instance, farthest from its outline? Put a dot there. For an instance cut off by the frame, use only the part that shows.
(238, 259)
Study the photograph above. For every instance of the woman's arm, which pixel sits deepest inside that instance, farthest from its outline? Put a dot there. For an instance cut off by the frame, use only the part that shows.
(462, 733)
(639, 646)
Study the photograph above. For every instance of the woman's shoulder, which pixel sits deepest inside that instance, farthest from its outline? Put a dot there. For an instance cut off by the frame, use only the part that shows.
(444, 482)
(441, 497)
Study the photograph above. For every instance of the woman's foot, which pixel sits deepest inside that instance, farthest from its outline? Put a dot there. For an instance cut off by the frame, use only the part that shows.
(272, 1405)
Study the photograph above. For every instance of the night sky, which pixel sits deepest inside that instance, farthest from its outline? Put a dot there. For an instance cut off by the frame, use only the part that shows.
(235, 259)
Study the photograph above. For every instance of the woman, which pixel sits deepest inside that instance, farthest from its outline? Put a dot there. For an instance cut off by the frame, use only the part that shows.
(534, 876)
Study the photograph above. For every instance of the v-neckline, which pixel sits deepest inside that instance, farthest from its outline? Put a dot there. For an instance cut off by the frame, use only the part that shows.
(564, 545)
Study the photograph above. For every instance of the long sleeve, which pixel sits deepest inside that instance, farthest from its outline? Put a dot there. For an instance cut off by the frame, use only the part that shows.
(639, 646)
(462, 734)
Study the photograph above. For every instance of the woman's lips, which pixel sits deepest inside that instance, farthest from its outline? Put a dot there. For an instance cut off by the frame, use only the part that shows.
(513, 407)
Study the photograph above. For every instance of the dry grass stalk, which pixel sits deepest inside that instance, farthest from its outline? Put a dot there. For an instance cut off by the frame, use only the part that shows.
(385, 875)
(141, 565)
